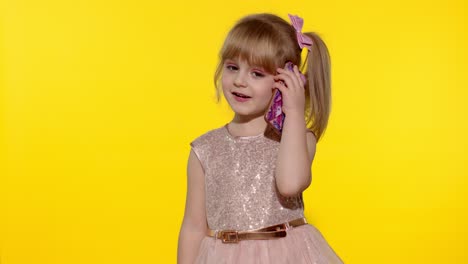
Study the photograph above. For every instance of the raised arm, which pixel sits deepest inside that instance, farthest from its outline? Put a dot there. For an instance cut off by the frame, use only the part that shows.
(297, 148)
(296, 153)
(194, 226)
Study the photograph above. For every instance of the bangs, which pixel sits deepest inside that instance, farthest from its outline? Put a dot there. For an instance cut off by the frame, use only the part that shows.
(256, 46)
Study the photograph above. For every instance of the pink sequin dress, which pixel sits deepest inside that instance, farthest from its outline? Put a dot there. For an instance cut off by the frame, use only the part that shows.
(241, 195)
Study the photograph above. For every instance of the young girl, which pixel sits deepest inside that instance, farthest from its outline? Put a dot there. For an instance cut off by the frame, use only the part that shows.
(244, 189)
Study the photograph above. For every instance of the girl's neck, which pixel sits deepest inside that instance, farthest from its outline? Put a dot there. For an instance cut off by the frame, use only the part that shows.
(247, 125)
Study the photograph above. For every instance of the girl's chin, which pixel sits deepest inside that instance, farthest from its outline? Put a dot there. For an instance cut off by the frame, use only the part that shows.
(245, 109)
(248, 113)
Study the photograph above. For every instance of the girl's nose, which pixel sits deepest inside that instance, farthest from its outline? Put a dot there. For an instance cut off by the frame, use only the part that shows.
(240, 80)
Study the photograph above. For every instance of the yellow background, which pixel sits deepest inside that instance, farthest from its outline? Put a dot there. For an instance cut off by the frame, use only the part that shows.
(100, 100)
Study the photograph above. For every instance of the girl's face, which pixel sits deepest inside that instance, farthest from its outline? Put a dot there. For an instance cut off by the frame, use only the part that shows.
(247, 88)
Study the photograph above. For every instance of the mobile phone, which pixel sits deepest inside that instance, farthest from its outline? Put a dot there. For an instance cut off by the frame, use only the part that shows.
(275, 116)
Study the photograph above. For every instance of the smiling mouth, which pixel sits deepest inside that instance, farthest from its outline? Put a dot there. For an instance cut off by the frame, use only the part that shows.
(240, 95)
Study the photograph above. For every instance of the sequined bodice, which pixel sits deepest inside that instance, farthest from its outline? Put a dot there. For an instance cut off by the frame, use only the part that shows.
(240, 186)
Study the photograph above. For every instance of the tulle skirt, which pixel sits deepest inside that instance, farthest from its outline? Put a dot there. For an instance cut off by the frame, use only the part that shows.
(302, 244)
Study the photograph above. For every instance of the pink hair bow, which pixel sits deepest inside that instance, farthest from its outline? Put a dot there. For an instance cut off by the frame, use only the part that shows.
(302, 39)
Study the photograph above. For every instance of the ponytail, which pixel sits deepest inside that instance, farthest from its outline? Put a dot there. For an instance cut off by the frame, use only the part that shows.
(318, 87)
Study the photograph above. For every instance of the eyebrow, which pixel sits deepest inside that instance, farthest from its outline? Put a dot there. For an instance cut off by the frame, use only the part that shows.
(230, 60)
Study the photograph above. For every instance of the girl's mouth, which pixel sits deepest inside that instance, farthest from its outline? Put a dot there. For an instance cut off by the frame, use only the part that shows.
(240, 97)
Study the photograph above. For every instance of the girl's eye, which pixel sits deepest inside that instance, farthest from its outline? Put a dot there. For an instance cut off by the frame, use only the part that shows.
(231, 67)
(258, 74)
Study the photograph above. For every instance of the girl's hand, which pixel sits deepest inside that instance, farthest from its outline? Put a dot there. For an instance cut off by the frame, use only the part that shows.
(293, 92)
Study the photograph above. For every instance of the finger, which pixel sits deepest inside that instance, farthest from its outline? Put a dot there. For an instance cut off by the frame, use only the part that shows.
(297, 79)
(299, 76)
(283, 89)
(286, 72)
(290, 78)
(286, 77)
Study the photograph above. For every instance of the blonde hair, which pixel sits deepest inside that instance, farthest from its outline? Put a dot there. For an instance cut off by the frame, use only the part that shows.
(269, 41)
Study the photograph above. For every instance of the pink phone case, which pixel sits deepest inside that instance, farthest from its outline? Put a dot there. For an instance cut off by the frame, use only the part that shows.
(275, 116)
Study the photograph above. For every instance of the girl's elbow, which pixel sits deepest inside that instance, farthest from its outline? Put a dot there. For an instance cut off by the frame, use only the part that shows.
(289, 192)
(294, 189)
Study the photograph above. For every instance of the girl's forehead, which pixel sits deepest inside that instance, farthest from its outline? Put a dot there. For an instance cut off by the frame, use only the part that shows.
(255, 53)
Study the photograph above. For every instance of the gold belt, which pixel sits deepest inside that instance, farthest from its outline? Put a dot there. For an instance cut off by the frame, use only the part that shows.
(275, 231)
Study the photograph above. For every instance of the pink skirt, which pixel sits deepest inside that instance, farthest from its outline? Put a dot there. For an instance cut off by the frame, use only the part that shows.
(302, 244)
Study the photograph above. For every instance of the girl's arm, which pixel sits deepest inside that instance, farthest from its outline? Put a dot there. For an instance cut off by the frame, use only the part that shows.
(296, 153)
(194, 226)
